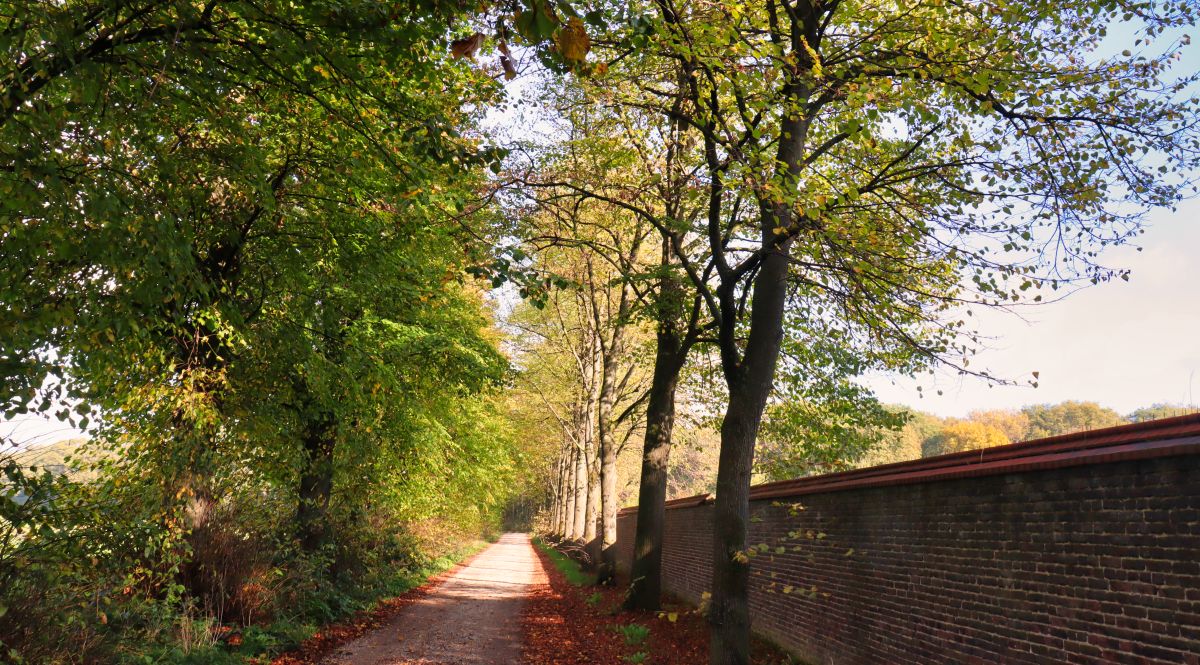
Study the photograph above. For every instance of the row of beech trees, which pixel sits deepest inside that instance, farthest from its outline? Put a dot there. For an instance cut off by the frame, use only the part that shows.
(800, 192)
(582, 351)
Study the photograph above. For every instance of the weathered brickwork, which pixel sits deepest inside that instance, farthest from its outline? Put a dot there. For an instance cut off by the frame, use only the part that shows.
(1095, 563)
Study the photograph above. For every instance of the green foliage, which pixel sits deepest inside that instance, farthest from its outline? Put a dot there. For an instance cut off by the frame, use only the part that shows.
(907, 443)
(1160, 411)
(823, 421)
(566, 565)
(634, 633)
(236, 244)
(203, 644)
(1066, 417)
(253, 139)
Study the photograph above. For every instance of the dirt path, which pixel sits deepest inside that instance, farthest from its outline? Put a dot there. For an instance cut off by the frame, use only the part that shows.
(472, 618)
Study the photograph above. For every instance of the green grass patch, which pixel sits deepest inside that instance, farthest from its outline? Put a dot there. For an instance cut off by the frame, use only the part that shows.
(634, 633)
(568, 566)
(402, 580)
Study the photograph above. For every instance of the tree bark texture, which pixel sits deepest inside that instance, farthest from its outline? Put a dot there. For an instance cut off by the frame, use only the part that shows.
(316, 486)
(646, 569)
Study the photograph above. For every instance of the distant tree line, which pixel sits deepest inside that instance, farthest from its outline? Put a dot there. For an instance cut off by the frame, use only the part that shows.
(927, 435)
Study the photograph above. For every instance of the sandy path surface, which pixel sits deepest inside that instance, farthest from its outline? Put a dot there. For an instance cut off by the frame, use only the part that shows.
(472, 618)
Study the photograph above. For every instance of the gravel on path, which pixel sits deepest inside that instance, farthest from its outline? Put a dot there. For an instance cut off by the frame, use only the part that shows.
(471, 618)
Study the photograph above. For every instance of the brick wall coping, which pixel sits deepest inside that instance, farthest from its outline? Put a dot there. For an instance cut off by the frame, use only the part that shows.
(684, 502)
(1156, 438)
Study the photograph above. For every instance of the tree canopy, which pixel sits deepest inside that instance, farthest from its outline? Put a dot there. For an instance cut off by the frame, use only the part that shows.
(217, 221)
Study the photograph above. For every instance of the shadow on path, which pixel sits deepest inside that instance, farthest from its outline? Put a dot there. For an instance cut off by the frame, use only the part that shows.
(471, 618)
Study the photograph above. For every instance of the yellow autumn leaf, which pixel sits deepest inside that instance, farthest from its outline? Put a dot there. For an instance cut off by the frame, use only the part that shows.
(573, 41)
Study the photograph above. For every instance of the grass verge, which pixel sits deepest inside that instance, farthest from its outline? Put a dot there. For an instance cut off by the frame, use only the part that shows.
(566, 565)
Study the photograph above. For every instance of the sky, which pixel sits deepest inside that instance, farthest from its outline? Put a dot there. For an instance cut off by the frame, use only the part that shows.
(34, 430)
(1122, 344)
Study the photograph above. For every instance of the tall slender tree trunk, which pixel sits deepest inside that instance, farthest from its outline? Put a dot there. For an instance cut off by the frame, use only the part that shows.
(565, 492)
(608, 509)
(646, 570)
(560, 523)
(593, 487)
(316, 486)
(593, 504)
(570, 494)
(556, 496)
(612, 357)
(592, 386)
(608, 460)
(581, 494)
(748, 393)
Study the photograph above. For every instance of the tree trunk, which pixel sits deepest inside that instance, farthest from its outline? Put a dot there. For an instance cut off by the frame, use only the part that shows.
(564, 490)
(608, 463)
(592, 385)
(316, 486)
(556, 496)
(750, 385)
(729, 613)
(568, 493)
(608, 511)
(581, 495)
(612, 356)
(646, 570)
(593, 494)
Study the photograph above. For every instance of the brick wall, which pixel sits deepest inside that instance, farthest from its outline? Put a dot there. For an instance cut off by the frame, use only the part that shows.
(1066, 550)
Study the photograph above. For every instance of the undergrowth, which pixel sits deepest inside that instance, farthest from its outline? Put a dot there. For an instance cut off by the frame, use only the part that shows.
(211, 645)
(568, 566)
